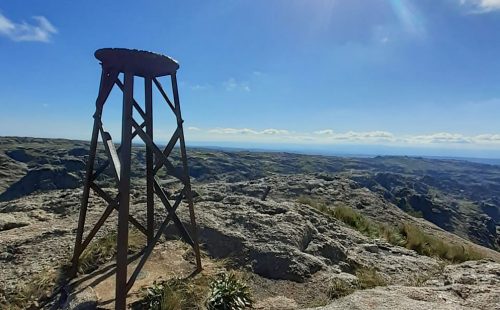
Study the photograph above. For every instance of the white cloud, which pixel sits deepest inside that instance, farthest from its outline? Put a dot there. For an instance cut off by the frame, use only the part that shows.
(233, 131)
(487, 138)
(272, 131)
(329, 136)
(369, 135)
(232, 84)
(200, 87)
(440, 137)
(481, 6)
(247, 131)
(192, 128)
(355, 136)
(41, 31)
(324, 132)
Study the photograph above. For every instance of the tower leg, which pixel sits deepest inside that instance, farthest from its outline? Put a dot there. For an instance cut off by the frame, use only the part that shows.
(108, 79)
(86, 193)
(189, 194)
(124, 189)
(148, 96)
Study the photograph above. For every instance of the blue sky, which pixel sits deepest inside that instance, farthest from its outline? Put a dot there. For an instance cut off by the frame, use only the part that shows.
(410, 75)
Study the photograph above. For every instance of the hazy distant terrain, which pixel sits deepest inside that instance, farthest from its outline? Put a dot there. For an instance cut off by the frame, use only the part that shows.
(459, 196)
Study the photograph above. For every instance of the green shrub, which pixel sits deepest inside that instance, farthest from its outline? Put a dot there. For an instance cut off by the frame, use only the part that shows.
(173, 294)
(228, 292)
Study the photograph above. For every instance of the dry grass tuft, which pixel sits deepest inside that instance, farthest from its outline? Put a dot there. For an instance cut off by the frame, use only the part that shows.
(425, 244)
(339, 288)
(37, 290)
(406, 235)
(369, 278)
(104, 249)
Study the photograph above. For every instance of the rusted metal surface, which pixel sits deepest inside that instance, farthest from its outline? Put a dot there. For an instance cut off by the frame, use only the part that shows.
(140, 63)
(148, 120)
(150, 66)
(124, 189)
(162, 92)
(185, 167)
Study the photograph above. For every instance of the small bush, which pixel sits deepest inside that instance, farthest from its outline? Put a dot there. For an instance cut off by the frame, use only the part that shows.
(173, 294)
(228, 292)
(369, 278)
(177, 293)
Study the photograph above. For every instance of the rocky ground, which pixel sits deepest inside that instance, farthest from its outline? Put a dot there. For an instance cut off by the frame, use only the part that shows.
(470, 285)
(295, 256)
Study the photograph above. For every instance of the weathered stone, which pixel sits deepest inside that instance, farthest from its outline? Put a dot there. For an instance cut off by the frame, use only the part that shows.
(84, 300)
(13, 220)
(470, 285)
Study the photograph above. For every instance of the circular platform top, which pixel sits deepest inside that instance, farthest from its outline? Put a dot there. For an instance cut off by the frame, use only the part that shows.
(141, 63)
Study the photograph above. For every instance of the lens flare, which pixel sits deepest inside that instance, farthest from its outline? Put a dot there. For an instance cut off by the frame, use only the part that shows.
(409, 17)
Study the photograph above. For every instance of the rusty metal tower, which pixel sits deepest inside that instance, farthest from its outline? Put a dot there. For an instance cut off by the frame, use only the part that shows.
(149, 66)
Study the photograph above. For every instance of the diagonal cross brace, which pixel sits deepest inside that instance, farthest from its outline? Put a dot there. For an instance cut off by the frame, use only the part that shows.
(162, 92)
(105, 165)
(168, 149)
(97, 226)
(111, 153)
(161, 157)
(109, 200)
(171, 212)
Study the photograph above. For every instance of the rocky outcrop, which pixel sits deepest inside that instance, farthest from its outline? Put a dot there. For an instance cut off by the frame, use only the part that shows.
(45, 178)
(470, 285)
(338, 190)
(441, 199)
(13, 220)
(84, 300)
(291, 241)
